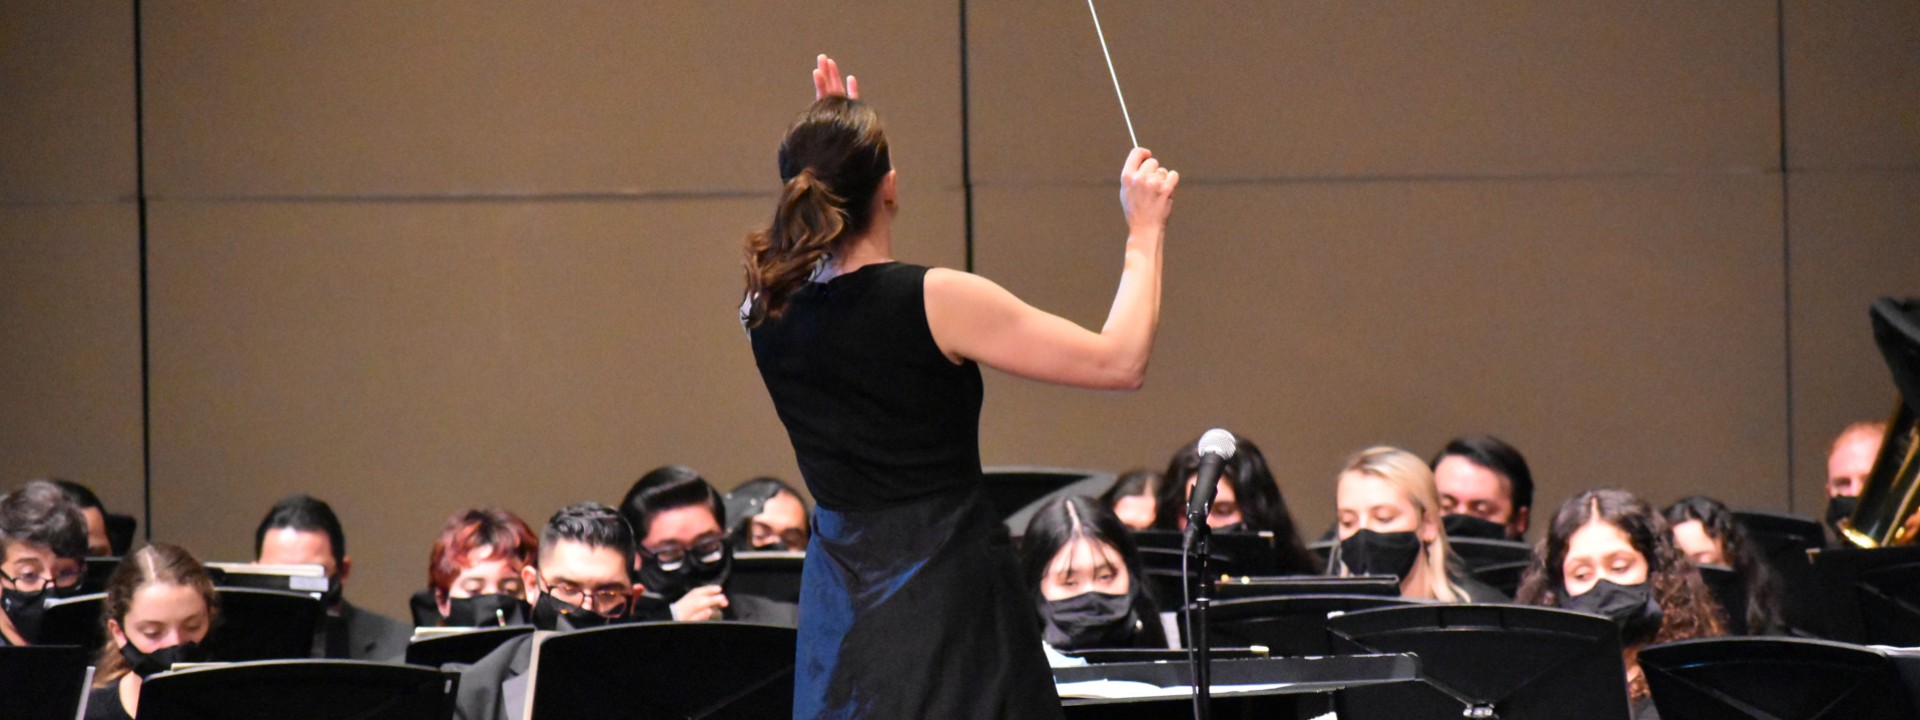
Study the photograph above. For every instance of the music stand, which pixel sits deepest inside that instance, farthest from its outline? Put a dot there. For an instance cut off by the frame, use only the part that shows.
(299, 690)
(264, 625)
(43, 682)
(1810, 604)
(716, 670)
(289, 578)
(1773, 679)
(1498, 662)
(1885, 587)
(1234, 588)
(1306, 683)
(772, 575)
(1015, 491)
(1504, 577)
(1107, 656)
(1482, 552)
(73, 621)
(120, 529)
(465, 646)
(1288, 626)
(1730, 590)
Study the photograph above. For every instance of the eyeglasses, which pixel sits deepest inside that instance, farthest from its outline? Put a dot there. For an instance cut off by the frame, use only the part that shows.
(603, 600)
(670, 554)
(33, 581)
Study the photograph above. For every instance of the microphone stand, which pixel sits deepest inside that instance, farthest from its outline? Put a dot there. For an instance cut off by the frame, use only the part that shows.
(1200, 596)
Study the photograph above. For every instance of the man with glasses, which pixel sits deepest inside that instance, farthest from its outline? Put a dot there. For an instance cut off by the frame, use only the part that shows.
(581, 578)
(684, 557)
(44, 541)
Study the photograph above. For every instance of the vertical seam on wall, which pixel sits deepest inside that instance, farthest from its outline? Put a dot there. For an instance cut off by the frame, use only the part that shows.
(140, 199)
(1786, 245)
(966, 140)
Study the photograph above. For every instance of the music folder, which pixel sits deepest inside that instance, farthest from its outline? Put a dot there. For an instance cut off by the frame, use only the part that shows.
(1774, 677)
(716, 670)
(44, 682)
(298, 690)
(774, 575)
(437, 646)
(260, 576)
(1265, 687)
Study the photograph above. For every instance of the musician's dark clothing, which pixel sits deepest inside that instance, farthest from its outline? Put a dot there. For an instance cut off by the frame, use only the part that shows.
(356, 633)
(911, 604)
(740, 607)
(495, 688)
(103, 703)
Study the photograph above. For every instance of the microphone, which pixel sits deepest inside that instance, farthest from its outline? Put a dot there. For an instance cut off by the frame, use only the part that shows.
(1216, 448)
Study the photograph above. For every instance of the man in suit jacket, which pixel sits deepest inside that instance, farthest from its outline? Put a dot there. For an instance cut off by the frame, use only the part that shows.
(302, 530)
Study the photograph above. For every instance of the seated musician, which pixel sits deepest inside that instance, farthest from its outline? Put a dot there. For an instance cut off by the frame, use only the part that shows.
(1486, 489)
(582, 578)
(1084, 572)
(303, 530)
(683, 557)
(160, 604)
(1705, 531)
(43, 552)
(1608, 553)
(1134, 498)
(473, 572)
(1247, 499)
(770, 515)
(98, 543)
(1389, 523)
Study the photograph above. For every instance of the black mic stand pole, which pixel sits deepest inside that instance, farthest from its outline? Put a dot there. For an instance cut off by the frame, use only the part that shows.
(1200, 596)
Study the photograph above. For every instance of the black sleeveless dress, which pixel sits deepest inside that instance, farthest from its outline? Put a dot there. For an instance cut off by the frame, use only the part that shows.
(911, 605)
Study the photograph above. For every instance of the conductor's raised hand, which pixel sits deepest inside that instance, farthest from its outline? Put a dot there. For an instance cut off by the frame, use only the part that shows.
(827, 82)
(1146, 190)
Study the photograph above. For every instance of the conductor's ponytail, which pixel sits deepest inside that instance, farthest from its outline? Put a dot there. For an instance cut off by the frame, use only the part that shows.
(832, 162)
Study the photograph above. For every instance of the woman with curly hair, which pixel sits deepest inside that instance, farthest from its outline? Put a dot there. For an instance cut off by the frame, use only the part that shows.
(1706, 532)
(1608, 553)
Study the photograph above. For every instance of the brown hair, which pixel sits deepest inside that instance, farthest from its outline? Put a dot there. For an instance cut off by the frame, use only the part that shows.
(832, 161)
(156, 563)
(472, 529)
(1687, 608)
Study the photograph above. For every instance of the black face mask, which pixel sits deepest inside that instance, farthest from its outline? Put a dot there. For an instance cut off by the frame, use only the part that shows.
(669, 584)
(25, 609)
(1461, 525)
(1632, 607)
(1840, 508)
(162, 660)
(552, 614)
(487, 611)
(1089, 620)
(1232, 527)
(1371, 553)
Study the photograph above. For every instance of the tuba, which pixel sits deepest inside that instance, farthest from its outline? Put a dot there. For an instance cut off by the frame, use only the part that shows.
(1888, 503)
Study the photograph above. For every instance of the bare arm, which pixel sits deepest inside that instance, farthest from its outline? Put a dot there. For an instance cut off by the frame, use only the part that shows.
(974, 318)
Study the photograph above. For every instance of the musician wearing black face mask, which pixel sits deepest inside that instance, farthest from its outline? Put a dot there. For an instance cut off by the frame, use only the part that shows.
(683, 558)
(1486, 489)
(1084, 571)
(474, 575)
(1608, 553)
(159, 607)
(44, 541)
(581, 579)
(1389, 524)
(303, 530)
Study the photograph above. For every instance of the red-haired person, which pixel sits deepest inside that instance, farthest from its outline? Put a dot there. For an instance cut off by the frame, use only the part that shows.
(473, 572)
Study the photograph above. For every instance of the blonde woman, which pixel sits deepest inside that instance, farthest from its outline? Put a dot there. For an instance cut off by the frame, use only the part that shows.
(1390, 524)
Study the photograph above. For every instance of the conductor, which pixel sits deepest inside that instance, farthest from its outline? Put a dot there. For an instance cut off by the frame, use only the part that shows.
(911, 604)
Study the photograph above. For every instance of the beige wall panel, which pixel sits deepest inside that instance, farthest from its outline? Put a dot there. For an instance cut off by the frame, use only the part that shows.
(376, 97)
(1853, 242)
(1619, 331)
(70, 348)
(1313, 89)
(66, 100)
(404, 360)
(1853, 83)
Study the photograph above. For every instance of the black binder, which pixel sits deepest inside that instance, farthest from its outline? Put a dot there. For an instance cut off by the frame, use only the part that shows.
(43, 682)
(299, 690)
(466, 646)
(772, 575)
(1517, 662)
(1773, 679)
(716, 670)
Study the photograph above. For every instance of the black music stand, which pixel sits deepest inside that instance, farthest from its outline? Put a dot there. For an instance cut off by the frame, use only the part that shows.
(1481, 552)
(264, 625)
(1730, 590)
(73, 621)
(1810, 604)
(466, 647)
(1884, 584)
(98, 571)
(1288, 626)
(1773, 679)
(43, 682)
(1504, 577)
(1107, 656)
(771, 575)
(120, 529)
(716, 670)
(1235, 588)
(1495, 662)
(1309, 684)
(1012, 489)
(299, 690)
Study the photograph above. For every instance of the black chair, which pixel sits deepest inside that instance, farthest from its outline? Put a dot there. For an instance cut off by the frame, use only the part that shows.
(1510, 662)
(1016, 491)
(43, 682)
(717, 670)
(1289, 626)
(299, 690)
(466, 647)
(1481, 552)
(771, 575)
(1811, 604)
(1883, 585)
(1773, 679)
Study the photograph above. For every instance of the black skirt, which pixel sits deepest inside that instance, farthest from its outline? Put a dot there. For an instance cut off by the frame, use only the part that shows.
(918, 611)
